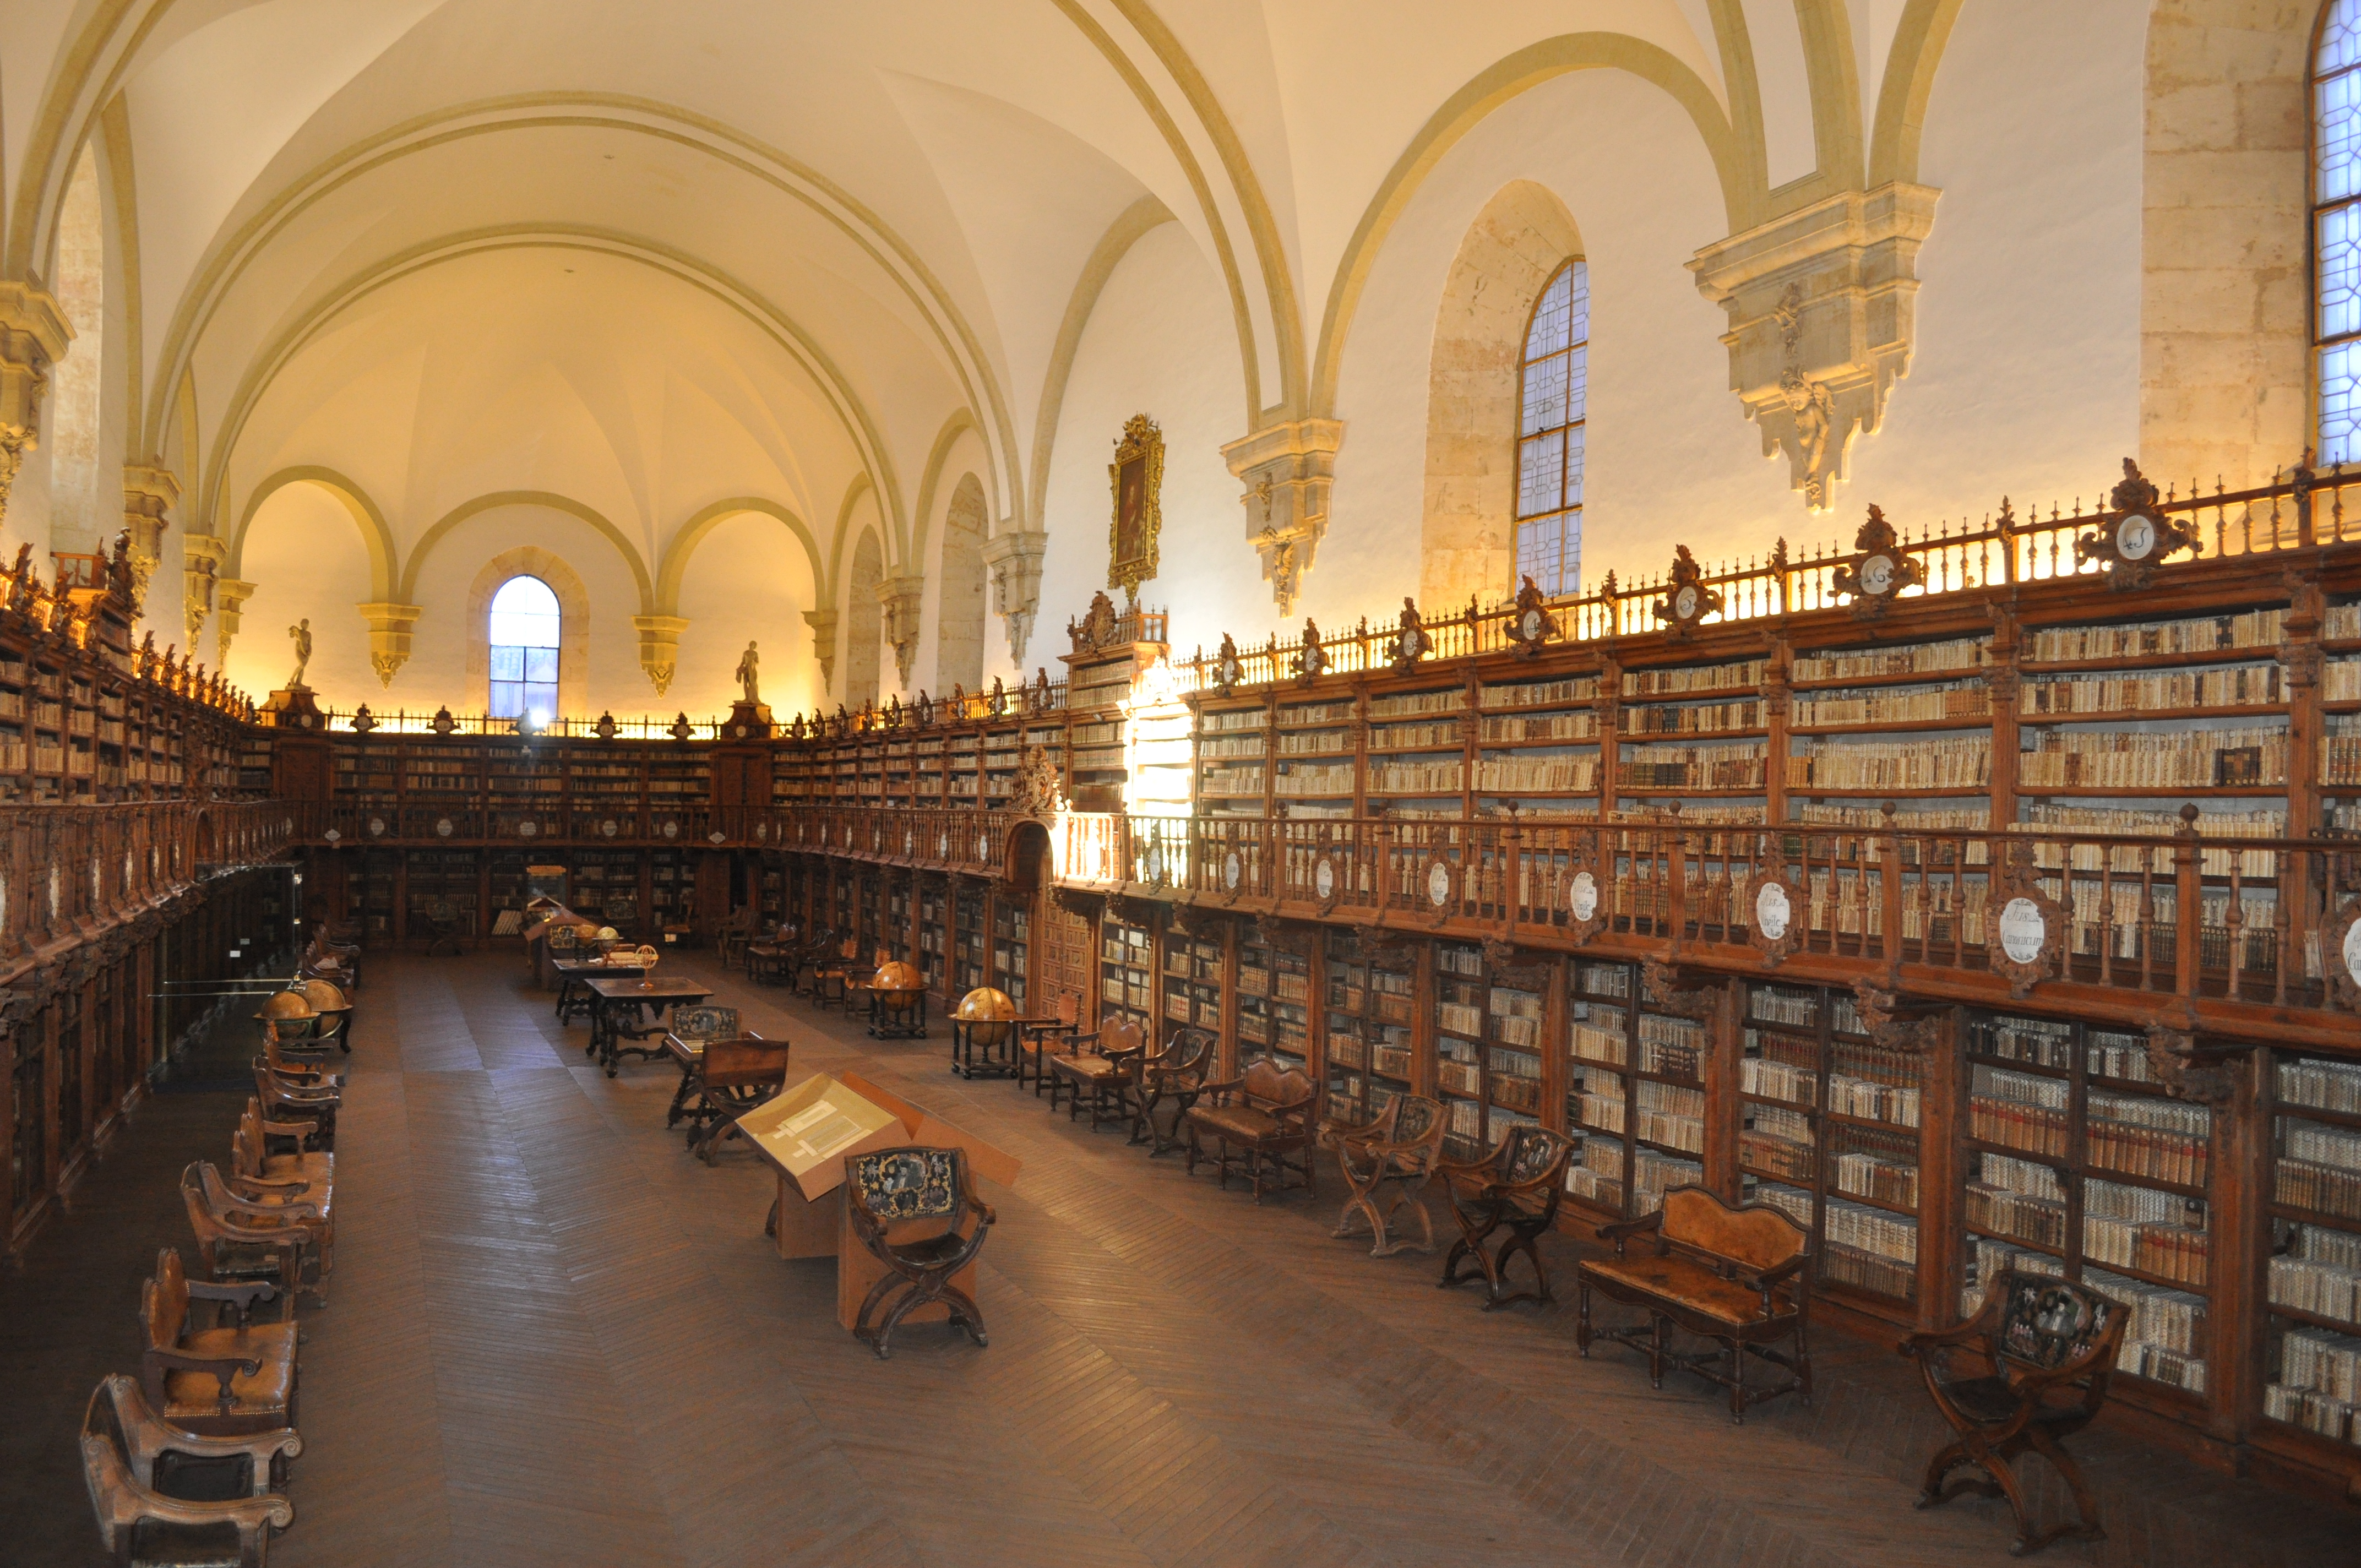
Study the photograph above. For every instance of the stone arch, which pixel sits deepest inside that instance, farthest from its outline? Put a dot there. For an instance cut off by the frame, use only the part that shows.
(573, 624)
(684, 543)
(375, 535)
(959, 609)
(865, 632)
(571, 507)
(1467, 528)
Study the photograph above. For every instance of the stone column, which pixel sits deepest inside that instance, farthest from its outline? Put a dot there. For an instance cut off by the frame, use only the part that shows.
(1287, 469)
(659, 646)
(33, 336)
(1823, 310)
(390, 626)
(1013, 556)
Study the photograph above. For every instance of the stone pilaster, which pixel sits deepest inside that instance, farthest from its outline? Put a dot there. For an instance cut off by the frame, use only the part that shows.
(33, 336)
(204, 554)
(1823, 309)
(390, 626)
(1287, 469)
(903, 597)
(1013, 556)
(149, 491)
(659, 646)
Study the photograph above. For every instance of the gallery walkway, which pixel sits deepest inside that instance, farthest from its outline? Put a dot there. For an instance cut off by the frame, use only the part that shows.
(556, 1339)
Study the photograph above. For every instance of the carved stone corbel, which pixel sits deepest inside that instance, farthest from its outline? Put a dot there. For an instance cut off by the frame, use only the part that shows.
(1287, 469)
(900, 598)
(204, 554)
(659, 647)
(2186, 1072)
(1822, 308)
(149, 491)
(229, 598)
(823, 629)
(34, 333)
(1013, 556)
(390, 626)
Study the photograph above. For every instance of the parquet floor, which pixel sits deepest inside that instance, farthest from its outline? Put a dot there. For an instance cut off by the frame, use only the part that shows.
(556, 1339)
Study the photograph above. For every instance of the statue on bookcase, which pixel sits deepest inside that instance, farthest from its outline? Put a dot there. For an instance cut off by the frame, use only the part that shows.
(750, 666)
(301, 632)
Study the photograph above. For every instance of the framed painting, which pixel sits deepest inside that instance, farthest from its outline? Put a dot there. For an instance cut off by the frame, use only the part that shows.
(1136, 477)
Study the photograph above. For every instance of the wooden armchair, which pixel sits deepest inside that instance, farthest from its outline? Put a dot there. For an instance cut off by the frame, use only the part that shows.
(164, 1459)
(730, 1079)
(1739, 1275)
(1092, 1068)
(227, 1381)
(1515, 1188)
(1267, 1112)
(932, 1188)
(294, 1064)
(1401, 1150)
(285, 1102)
(732, 932)
(443, 922)
(771, 960)
(1035, 1037)
(2051, 1346)
(145, 1524)
(832, 977)
(340, 967)
(259, 1177)
(1174, 1076)
(245, 1238)
(285, 1147)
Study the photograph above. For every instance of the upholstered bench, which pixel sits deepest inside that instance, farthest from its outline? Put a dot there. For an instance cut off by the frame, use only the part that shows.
(1738, 1276)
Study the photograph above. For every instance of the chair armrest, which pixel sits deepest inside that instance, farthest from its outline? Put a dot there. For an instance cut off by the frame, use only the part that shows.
(147, 1434)
(968, 1191)
(243, 1296)
(1765, 1278)
(244, 1185)
(1918, 1344)
(1217, 1091)
(1447, 1168)
(301, 1132)
(223, 1368)
(1624, 1230)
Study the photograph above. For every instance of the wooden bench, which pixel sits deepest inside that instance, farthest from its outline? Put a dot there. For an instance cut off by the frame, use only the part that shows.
(1738, 1276)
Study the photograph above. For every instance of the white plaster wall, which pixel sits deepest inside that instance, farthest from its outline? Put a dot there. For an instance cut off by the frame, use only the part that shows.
(749, 578)
(1161, 342)
(309, 560)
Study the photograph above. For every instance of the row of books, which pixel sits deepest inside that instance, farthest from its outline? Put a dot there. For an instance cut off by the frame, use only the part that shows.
(1694, 718)
(1538, 694)
(2036, 1222)
(1693, 678)
(1692, 767)
(2322, 1085)
(2165, 1337)
(1921, 658)
(1415, 778)
(1858, 1174)
(1601, 1039)
(1961, 764)
(2186, 759)
(1403, 737)
(2016, 1126)
(1783, 1158)
(1778, 1080)
(1849, 1096)
(1873, 1230)
(2203, 635)
(2323, 1189)
(1403, 704)
(1897, 705)
(2312, 1285)
(2237, 685)
(2146, 1151)
(2319, 1383)
(2166, 1251)
(1537, 775)
(1551, 726)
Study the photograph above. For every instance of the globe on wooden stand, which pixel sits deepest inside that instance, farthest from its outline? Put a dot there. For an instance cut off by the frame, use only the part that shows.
(897, 1001)
(983, 1025)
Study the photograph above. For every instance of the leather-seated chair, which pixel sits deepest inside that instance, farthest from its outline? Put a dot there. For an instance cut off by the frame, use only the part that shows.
(295, 1065)
(284, 1101)
(1093, 1068)
(1266, 1112)
(131, 1459)
(771, 960)
(2051, 1345)
(925, 1187)
(732, 932)
(1175, 1075)
(287, 1240)
(1037, 1037)
(1400, 1148)
(1516, 1188)
(230, 1381)
(1738, 1275)
(285, 1147)
(832, 977)
(731, 1077)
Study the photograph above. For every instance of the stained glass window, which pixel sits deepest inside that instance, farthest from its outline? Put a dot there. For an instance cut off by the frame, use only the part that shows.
(524, 640)
(1549, 408)
(2337, 227)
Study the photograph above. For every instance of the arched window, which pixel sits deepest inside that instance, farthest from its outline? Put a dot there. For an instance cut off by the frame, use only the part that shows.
(524, 642)
(2337, 227)
(1549, 408)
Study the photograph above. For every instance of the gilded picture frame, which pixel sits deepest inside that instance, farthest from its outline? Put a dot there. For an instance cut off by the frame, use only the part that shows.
(1135, 482)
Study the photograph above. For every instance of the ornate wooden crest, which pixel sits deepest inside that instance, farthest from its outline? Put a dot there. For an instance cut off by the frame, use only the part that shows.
(1687, 599)
(2188, 1070)
(1312, 661)
(1328, 871)
(1896, 1025)
(1581, 896)
(1664, 988)
(2135, 536)
(1096, 629)
(1530, 622)
(1880, 572)
(1136, 480)
(1038, 789)
(2028, 932)
(363, 720)
(1409, 642)
(1526, 973)
(443, 723)
(1437, 890)
(2340, 954)
(1777, 910)
(1228, 669)
(680, 727)
(1381, 949)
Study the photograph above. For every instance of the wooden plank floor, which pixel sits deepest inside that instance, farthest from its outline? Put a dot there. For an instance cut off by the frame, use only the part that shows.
(556, 1339)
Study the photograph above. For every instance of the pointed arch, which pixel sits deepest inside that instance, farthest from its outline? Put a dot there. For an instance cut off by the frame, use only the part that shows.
(385, 556)
(864, 631)
(466, 510)
(690, 534)
(962, 422)
(958, 593)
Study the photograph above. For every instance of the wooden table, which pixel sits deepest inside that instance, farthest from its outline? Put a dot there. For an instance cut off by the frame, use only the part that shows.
(572, 995)
(612, 999)
(970, 1059)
